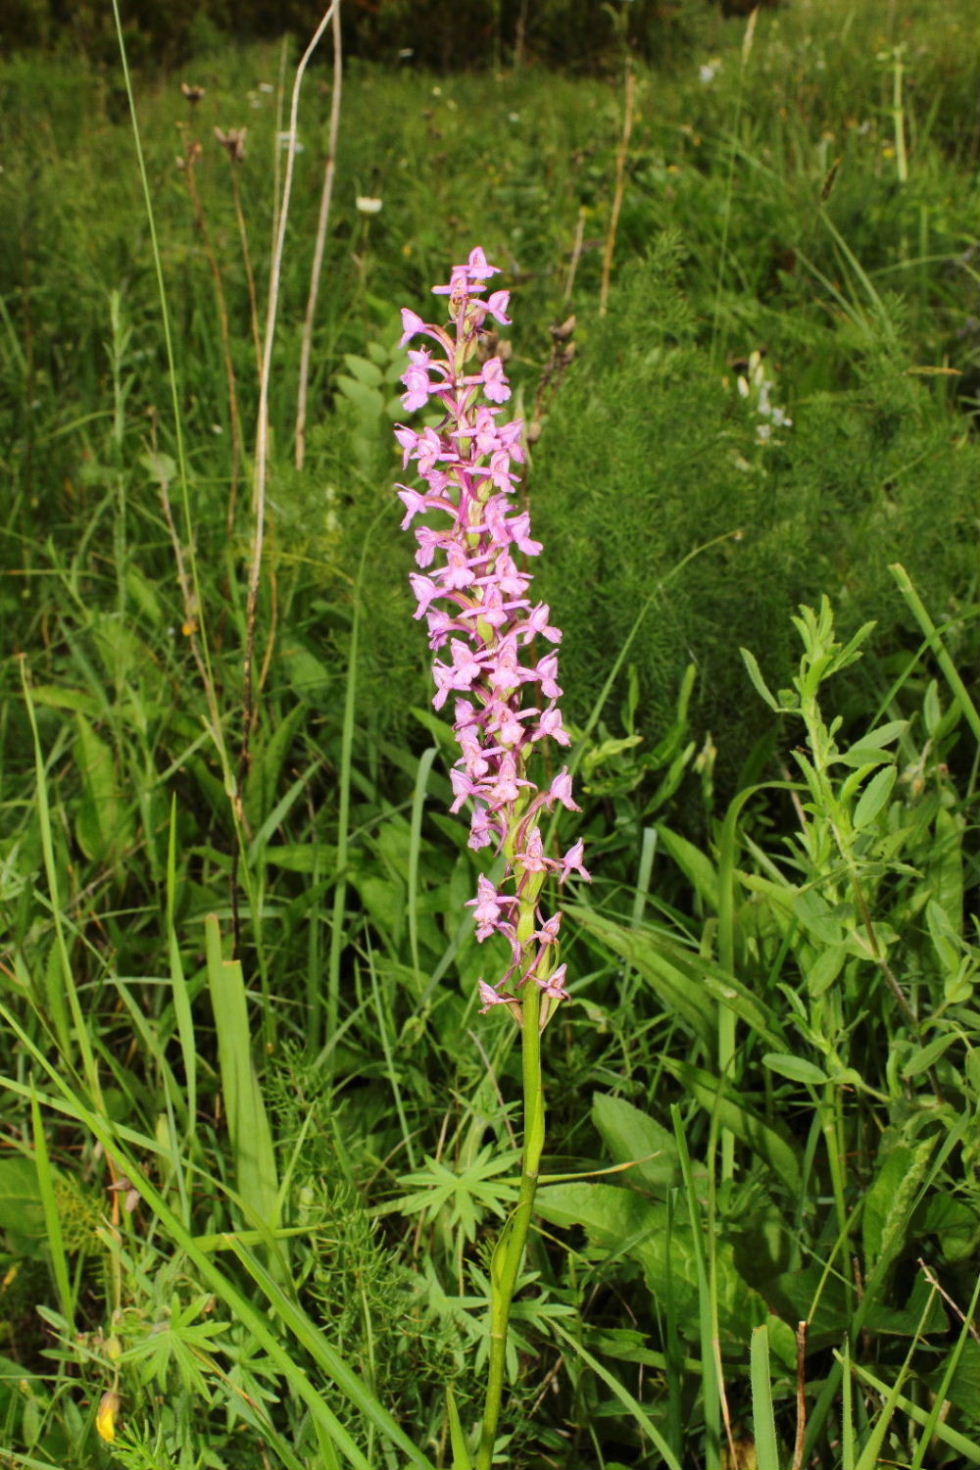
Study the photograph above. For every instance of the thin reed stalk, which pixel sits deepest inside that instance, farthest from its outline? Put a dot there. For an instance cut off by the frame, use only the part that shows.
(321, 240)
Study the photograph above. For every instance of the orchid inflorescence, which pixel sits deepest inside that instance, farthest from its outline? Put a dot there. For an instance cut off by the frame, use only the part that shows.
(474, 598)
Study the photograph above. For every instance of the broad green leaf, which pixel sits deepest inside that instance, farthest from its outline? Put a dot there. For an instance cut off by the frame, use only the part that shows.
(622, 1223)
(924, 1056)
(889, 1201)
(953, 1221)
(55, 696)
(828, 964)
(945, 940)
(301, 857)
(21, 1207)
(922, 1313)
(945, 871)
(104, 826)
(630, 1134)
(963, 1390)
(307, 674)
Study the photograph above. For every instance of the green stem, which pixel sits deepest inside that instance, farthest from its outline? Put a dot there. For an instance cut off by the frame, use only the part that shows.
(509, 1253)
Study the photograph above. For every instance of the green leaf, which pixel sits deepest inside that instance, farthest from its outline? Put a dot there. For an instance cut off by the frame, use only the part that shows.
(104, 825)
(763, 1419)
(696, 866)
(368, 373)
(889, 1201)
(630, 1134)
(925, 1056)
(461, 1454)
(953, 1221)
(796, 1069)
(764, 1141)
(828, 964)
(671, 976)
(248, 1123)
(759, 683)
(367, 401)
(21, 1207)
(874, 796)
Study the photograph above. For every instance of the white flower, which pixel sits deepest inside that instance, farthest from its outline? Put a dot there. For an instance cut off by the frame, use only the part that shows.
(366, 205)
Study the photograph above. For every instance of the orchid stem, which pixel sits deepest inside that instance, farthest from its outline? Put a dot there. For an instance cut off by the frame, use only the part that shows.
(509, 1253)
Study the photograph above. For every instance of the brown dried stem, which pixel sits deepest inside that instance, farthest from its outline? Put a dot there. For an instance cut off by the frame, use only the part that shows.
(321, 239)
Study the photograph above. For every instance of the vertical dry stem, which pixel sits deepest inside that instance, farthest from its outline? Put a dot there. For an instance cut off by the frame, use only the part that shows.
(321, 240)
(262, 428)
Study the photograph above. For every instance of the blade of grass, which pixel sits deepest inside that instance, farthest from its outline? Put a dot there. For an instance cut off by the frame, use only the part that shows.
(52, 1218)
(932, 1423)
(248, 1123)
(414, 851)
(461, 1454)
(710, 1380)
(254, 1321)
(178, 983)
(918, 610)
(763, 1420)
(61, 976)
(309, 1336)
(629, 1403)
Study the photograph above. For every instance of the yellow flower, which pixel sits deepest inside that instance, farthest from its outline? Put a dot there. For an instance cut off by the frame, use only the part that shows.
(105, 1415)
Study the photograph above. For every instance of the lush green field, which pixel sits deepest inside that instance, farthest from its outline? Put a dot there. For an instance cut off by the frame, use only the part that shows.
(258, 1141)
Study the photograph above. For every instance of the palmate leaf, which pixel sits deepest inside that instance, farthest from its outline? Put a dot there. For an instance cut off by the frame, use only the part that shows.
(178, 1342)
(467, 1195)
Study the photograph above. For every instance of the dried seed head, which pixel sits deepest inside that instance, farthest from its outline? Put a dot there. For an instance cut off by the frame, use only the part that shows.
(233, 142)
(192, 93)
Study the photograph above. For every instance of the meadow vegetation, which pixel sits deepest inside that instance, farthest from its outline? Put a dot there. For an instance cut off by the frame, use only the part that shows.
(257, 1140)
